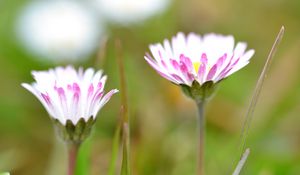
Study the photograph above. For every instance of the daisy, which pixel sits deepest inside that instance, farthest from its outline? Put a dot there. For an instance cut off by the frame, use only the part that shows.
(59, 31)
(70, 95)
(72, 98)
(198, 63)
(186, 59)
(125, 12)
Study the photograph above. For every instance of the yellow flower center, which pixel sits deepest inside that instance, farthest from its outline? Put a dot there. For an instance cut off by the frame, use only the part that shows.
(196, 66)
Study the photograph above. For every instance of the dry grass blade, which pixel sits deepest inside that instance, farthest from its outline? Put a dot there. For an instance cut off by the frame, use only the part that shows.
(101, 54)
(125, 170)
(241, 162)
(258, 88)
(123, 86)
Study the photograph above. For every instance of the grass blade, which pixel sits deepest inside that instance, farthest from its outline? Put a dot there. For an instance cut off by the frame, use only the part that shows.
(115, 150)
(125, 170)
(241, 162)
(83, 164)
(125, 163)
(257, 90)
(101, 54)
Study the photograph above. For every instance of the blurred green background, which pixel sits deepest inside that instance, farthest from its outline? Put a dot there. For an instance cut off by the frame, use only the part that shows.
(163, 120)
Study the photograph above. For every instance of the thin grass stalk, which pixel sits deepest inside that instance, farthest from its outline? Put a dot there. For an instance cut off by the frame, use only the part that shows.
(242, 162)
(101, 54)
(115, 150)
(125, 170)
(257, 91)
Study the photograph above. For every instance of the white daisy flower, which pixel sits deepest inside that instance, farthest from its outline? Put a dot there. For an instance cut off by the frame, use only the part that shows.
(70, 95)
(190, 58)
(59, 30)
(126, 12)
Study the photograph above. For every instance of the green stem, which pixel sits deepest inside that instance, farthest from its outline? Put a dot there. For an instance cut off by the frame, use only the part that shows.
(72, 156)
(125, 169)
(123, 85)
(201, 137)
(115, 150)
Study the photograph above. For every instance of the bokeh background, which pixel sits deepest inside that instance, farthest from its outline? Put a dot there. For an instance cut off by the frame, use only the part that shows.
(163, 121)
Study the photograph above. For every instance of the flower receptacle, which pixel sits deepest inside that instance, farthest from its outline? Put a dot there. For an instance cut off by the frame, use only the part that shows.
(199, 93)
(74, 133)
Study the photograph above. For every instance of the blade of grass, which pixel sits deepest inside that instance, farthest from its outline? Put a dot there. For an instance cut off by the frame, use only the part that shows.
(101, 54)
(115, 150)
(257, 90)
(125, 170)
(241, 162)
(83, 161)
(99, 61)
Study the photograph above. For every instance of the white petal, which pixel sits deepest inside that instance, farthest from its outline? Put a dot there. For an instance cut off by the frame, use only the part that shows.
(103, 101)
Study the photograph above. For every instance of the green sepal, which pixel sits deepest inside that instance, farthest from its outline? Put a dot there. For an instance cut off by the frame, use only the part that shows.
(74, 134)
(199, 92)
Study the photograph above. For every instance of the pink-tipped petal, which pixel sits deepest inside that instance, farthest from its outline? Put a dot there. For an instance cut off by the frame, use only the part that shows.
(175, 64)
(156, 67)
(212, 73)
(201, 72)
(46, 98)
(168, 77)
(186, 61)
(152, 63)
(178, 78)
(203, 59)
(104, 100)
(221, 60)
(164, 64)
(90, 90)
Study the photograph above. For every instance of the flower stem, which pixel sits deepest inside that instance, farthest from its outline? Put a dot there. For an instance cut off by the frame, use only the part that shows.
(72, 154)
(201, 137)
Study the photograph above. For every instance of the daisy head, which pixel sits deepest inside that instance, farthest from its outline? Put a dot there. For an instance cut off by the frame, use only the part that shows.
(126, 12)
(59, 31)
(193, 60)
(71, 97)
